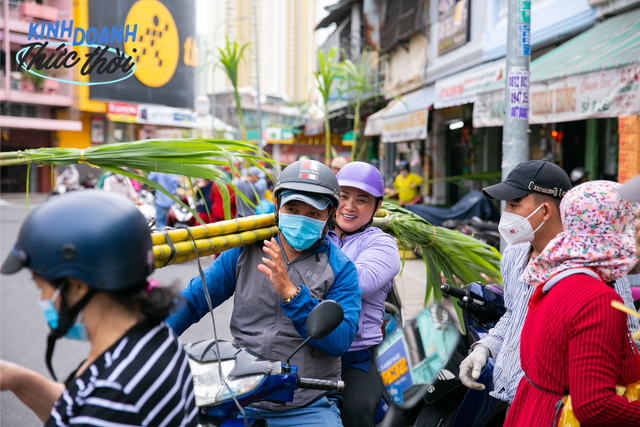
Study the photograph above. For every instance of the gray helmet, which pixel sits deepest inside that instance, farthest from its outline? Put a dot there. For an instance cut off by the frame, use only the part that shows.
(310, 176)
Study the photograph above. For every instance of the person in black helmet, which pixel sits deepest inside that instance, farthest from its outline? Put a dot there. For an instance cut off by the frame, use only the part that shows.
(90, 254)
(276, 284)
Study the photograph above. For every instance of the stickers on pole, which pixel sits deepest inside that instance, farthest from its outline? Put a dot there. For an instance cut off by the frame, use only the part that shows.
(524, 39)
(524, 11)
(518, 83)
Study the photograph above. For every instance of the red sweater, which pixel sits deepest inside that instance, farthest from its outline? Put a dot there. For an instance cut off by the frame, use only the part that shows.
(217, 204)
(574, 338)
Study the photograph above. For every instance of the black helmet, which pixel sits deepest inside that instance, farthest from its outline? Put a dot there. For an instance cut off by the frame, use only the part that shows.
(94, 236)
(404, 165)
(310, 176)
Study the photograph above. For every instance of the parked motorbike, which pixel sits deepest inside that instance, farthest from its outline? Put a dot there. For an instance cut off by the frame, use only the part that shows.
(227, 378)
(179, 216)
(484, 231)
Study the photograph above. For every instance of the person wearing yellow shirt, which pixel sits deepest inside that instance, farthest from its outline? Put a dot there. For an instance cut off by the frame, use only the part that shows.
(406, 185)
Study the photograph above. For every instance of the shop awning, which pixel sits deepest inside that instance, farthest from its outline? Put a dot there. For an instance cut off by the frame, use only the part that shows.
(463, 88)
(406, 120)
(402, 117)
(593, 75)
(374, 121)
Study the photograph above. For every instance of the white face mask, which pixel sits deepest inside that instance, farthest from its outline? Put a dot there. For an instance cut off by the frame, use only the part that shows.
(516, 229)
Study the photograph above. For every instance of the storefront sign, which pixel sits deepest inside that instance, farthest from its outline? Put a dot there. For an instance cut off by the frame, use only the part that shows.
(407, 127)
(518, 82)
(167, 116)
(97, 130)
(121, 112)
(462, 88)
(608, 93)
(277, 136)
(453, 26)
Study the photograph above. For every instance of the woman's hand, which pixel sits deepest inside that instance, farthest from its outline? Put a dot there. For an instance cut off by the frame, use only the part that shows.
(276, 270)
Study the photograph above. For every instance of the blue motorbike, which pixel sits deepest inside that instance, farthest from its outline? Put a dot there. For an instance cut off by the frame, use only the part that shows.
(227, 378)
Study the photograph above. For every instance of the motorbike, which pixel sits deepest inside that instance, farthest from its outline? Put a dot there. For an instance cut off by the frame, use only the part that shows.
(179, 216)
(227, 378)
(445, 401)
(482, 230)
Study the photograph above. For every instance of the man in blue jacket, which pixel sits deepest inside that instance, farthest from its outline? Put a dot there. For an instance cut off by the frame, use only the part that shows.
(276, 284)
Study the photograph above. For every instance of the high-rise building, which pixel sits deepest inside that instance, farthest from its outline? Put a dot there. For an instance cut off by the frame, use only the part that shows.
(286, 44)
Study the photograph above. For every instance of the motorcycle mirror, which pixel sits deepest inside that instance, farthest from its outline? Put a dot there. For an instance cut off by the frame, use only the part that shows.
(324, 319)
(409, 359)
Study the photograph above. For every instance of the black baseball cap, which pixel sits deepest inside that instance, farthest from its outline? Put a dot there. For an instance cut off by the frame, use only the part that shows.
(534, 176)
(631, 190)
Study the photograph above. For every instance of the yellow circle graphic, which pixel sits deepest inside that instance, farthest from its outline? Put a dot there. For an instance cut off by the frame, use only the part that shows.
(157, 45)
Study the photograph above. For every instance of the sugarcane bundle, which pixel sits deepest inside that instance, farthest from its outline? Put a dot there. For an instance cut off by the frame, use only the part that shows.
(195, 158)
(447, 253)
(185, 251)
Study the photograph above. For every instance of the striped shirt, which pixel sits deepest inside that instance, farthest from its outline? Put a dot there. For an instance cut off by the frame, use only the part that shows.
(142, 380)
(504, 340)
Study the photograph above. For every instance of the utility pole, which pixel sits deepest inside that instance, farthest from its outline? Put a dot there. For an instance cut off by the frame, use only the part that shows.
(257, 56)
(515, 138)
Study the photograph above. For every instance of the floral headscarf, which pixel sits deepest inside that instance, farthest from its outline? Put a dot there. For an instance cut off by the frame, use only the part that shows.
(598, 233)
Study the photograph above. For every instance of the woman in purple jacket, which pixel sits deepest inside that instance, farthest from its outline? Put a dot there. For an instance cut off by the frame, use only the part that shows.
(377, 260)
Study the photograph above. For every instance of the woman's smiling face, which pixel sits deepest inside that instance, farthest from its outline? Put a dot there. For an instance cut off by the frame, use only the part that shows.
(355, 210)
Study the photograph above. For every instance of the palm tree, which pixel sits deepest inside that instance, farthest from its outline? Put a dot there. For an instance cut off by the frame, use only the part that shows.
(360, 85)
(328, 71)
(230, 58)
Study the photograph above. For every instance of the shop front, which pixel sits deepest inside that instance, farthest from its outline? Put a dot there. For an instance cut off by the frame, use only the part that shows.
(456, 147)
(581, 95)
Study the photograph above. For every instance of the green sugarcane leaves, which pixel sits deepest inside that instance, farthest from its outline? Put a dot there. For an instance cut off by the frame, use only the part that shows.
(446, 253)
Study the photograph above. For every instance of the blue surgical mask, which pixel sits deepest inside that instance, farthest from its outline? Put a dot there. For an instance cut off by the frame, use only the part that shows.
(76, 332)
(301, 232)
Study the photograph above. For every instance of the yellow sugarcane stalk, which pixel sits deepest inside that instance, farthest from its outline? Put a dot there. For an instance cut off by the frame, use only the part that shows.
(208, 246)
(216, 229)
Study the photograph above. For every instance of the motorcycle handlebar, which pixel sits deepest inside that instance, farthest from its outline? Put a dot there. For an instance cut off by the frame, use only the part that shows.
(462, 295)
(454, 292)
(321, 384)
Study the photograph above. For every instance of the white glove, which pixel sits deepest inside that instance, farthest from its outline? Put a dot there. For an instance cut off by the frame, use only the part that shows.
(471, 367)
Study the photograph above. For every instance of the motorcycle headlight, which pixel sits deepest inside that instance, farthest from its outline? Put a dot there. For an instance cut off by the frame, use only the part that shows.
(209, 388)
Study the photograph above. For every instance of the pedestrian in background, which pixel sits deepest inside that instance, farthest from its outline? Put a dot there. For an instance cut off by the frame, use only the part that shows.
(120, 184)
(573, 342)
(407, 185)
(163, 202)
(338, 163)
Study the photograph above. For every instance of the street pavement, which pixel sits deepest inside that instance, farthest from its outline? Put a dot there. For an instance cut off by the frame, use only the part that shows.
(23, 331)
